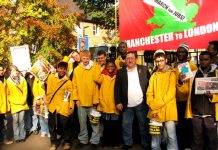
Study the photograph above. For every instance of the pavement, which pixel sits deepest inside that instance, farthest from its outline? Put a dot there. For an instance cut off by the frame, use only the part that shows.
(36, 142)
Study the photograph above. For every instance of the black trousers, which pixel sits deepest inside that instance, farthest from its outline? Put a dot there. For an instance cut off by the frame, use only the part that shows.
(73, 124)
(111, 132)
(204, 133)
(53, 119)
(183, 127)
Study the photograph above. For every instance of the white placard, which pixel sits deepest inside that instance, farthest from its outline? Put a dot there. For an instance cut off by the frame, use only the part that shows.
(21, 57)
(206, 84)
(185, 69)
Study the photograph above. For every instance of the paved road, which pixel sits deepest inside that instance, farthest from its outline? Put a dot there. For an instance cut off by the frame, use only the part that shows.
(36, 142)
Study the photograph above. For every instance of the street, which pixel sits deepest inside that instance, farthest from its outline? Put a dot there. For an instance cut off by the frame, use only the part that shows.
(36, 142)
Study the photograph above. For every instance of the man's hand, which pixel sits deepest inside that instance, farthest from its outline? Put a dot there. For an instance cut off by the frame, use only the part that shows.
(70, 111)
(122, 64)
(208, 94)
(71, 55)
(181, 78)
(77, 103)
(154, 115)
(119, 107)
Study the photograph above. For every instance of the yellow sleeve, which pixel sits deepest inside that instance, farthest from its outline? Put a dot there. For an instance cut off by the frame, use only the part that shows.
(214, 99)
(66, 59)
(117, 62)
(150, 93)
(98, 77)
(24, 95)
(96, 88)
(193, 67)
(153, 103)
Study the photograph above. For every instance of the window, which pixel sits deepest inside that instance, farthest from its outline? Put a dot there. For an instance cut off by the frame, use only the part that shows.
(95, 30)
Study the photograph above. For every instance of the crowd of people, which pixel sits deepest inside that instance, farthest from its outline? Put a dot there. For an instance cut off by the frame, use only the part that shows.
(82, 94)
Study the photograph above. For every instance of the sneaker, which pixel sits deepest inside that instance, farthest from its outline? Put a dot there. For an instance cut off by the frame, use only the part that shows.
(28, 133)
(8, 142)
(93, 147)
(43, 134)
(35, 132)
(49, 135)
(53, 147)
(66, 146)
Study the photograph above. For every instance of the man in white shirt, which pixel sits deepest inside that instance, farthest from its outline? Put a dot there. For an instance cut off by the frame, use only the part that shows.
(130, 98)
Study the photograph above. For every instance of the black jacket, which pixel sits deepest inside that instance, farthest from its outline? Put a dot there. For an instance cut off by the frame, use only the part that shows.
(121, 85)
(201, 104)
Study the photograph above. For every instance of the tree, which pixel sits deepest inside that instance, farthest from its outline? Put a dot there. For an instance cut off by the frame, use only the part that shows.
(101, 12)
(41, 24)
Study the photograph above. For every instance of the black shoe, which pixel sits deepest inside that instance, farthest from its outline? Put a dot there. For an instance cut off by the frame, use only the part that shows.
(80, 145)
(125, 147)
(93, 147)
(27, 132)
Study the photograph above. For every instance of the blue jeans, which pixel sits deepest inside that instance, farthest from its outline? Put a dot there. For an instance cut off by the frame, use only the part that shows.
(43, 123)
(127, 122)
(18, 125)
(28, 119)
(170, 130)
(83, 113)
(35, 122)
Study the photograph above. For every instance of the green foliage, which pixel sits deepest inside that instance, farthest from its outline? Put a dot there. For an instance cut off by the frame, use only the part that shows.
(41, 23)
(100, 11)
(115, 39)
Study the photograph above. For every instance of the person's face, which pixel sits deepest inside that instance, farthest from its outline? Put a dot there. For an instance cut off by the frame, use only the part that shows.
(2, 71)
(211, 50)
(14, 72)
(161, 63)
(30, 76)
(123, 48)
(82, 44)
(110, 67)
(61, 71)
(76, 57)
(181, 53)
(205, 61)
(85, 60)
(130, 60)
(101, 59)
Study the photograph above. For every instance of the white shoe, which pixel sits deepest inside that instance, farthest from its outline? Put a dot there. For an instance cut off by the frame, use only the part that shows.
(49, 135)
(43, 134)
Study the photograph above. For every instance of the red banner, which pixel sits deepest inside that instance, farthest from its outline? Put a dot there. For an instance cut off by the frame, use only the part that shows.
(164, 24)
